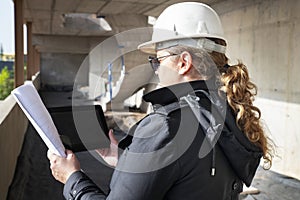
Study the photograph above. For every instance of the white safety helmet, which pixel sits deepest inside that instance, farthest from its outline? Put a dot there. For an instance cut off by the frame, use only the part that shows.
(189, 24)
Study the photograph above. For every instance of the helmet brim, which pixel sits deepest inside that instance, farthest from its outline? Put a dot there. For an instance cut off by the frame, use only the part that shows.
(150, 47)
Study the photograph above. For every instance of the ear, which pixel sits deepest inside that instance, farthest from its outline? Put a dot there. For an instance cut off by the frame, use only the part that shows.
(185, 63)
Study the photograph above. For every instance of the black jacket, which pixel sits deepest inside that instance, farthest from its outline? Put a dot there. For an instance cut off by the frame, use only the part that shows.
(165, 158)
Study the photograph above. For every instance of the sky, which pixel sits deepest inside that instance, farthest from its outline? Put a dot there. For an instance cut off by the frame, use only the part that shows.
(7, 27)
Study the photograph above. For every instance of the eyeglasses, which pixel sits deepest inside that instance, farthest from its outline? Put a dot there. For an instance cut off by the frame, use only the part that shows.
(155, 61)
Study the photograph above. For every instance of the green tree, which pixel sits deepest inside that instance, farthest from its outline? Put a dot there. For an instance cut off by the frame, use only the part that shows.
(6, 83)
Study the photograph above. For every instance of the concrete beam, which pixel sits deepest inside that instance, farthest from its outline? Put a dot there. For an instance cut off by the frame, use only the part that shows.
(124, 22)
(65, 44)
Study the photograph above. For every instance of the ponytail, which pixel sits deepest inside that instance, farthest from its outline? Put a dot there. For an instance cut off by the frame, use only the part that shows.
(240, 92)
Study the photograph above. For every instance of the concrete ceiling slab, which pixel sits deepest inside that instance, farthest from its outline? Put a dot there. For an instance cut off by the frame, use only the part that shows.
(41, 14)
(125, 8)
(41, 26)
(91, 6)
(47, 15)
(38, 4)
(66, 6)
(143, 1)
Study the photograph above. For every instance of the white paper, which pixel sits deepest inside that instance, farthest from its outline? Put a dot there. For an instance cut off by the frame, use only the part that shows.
(30, 102)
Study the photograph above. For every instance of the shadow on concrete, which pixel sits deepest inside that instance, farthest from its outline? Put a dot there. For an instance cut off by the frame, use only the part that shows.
(33, 180)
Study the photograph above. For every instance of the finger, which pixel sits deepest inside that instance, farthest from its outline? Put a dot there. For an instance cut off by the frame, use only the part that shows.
(69, 153)
(55, 174)
(52, 166)
(51, 156)
(100, 151)
(103, 152)
(112, 137)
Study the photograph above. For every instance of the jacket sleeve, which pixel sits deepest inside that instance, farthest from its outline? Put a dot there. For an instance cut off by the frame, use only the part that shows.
(144, 170)
(124, 185)
(142, 186)
(79, 186)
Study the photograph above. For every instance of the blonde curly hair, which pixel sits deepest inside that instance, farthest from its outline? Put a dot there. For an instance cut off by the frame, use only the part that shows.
(240, 93)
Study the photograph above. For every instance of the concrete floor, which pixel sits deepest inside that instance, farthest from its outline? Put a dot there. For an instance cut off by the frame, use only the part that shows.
(274, 186)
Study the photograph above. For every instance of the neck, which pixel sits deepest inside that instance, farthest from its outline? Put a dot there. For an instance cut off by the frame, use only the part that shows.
(193, 77)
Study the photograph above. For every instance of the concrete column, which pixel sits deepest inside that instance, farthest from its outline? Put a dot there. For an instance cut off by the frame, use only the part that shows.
(30, 52)
(19, 43)
(36, 61)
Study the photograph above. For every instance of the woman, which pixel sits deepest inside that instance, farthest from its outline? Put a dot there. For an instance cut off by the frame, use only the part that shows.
(204, 138)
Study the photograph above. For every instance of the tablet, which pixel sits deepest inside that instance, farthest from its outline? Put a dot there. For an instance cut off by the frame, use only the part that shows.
(81, 128)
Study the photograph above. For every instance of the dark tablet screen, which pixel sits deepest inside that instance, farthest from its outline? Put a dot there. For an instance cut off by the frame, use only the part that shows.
(81, 127)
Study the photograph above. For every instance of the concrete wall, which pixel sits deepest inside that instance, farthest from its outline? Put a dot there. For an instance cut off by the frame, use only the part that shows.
(60, 69)
(265, 36)
(61, 58)
(12, 130)
(13, 125)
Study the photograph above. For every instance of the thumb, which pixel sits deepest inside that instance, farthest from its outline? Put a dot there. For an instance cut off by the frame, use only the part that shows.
(112, 137)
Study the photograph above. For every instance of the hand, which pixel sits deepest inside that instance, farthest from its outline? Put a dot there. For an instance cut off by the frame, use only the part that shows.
(110, 155)
(62, 168)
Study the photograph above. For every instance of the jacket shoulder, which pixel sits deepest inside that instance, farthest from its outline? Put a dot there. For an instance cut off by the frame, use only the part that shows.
(152, 133)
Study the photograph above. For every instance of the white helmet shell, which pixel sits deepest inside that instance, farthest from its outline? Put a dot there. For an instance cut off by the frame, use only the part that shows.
(183, 22)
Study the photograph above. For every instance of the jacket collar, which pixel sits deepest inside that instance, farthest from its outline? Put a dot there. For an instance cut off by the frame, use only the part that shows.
(172, 93)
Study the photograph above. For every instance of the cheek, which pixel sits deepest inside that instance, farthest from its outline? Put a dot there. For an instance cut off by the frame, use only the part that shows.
(167, 75)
